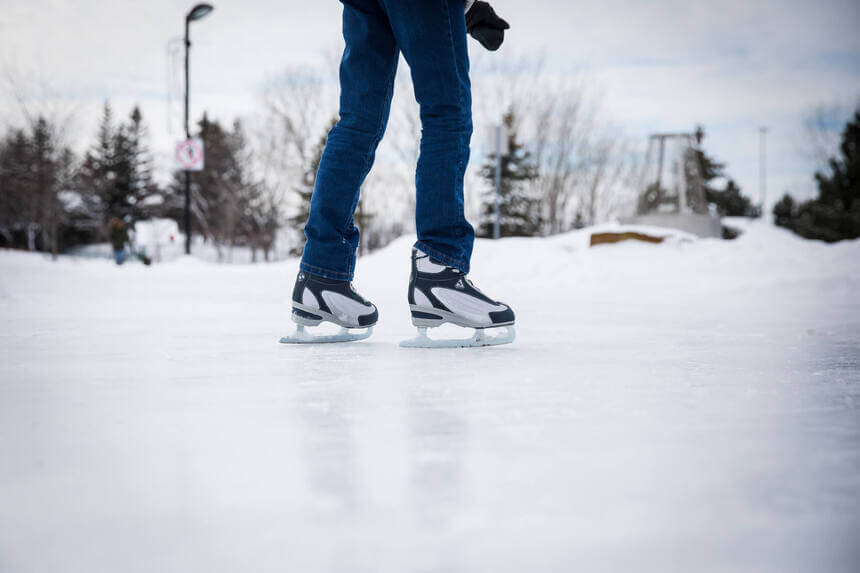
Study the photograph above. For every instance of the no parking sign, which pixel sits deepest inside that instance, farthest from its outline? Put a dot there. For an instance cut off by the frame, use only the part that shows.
(189, 155)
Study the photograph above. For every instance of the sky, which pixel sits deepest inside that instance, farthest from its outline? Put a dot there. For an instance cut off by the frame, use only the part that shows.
(662, 65)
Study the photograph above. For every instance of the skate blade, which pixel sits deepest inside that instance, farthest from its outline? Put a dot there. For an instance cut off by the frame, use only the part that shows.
(302, 336)
(478, 340)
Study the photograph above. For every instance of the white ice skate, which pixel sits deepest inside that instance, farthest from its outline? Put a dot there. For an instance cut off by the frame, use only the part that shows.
(317, 300)
(439, 294)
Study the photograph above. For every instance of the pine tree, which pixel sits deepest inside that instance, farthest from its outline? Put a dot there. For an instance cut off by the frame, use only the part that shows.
(78, 221)
(43, 206)
(228, 207)
(730, 201)
(784, 212)
(709, 168)
(835, 214)
(305, 191)
(116, 174)
(37, 191)
(212, 196)
(841, 188)
(133, 167)
(259, 212)
(137, 157)
(98, 170)
(15, 188)
(519, 205)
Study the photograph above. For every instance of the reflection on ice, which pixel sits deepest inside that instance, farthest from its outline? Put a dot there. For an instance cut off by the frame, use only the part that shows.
(438, 442)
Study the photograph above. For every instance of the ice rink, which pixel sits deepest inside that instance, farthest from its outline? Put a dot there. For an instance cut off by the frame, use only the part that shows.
(690, 406)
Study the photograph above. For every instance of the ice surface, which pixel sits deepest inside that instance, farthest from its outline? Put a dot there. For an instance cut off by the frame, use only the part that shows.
(689, 406)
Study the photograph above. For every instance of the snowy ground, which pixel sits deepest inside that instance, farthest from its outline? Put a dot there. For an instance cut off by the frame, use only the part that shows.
(676, 407)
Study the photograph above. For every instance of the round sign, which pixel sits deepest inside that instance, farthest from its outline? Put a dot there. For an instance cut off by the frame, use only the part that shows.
(189, 155)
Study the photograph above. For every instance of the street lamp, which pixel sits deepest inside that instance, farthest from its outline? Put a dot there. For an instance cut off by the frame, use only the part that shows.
(199, 11)
(762, 168)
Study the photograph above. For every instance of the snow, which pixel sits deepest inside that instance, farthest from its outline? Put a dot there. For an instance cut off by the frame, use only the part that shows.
(688, 406)
(161, 240)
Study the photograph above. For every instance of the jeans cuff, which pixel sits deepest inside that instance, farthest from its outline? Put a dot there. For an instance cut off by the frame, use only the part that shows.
(325, 273)
(458, 264)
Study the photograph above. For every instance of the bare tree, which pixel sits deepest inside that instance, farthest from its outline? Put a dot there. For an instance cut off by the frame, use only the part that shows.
(561, 141)
(581, 159)
(293, 106)
(611, 181)
(297, 108)
(822, 127)
(36, 98)
(49, 121)
(296, 105)
(500, 83)
(402, 138)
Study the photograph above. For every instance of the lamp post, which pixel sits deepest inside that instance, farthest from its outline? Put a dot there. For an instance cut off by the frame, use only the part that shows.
(762, 168)
(498, 138)
(497, 181)
(199, 11)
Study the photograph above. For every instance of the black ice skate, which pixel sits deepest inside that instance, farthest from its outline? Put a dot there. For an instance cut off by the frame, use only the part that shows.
(439, 294)
(317, 300)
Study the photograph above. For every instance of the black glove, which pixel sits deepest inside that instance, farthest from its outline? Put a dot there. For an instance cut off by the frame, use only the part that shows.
(485, 26)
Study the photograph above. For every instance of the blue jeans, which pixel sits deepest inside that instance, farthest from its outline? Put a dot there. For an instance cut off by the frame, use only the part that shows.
(431, 34)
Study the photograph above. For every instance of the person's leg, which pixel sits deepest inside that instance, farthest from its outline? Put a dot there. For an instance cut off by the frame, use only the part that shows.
(367, 73)
(432, 36)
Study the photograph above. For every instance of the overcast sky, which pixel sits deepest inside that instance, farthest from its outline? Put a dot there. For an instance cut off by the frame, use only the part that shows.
(662, 64)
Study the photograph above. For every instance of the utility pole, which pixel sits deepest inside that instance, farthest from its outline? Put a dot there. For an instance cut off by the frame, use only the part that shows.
(762, 167)
(187, 210)
(498, 182)
(199, 11)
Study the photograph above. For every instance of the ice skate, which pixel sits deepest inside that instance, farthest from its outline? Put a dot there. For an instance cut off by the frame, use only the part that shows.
(317, 300)
(439, 294)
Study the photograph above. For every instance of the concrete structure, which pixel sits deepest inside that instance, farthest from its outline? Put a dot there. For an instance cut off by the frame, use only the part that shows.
(672, 193)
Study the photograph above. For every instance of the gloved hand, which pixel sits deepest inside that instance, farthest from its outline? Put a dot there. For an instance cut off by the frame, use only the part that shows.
(484, 25)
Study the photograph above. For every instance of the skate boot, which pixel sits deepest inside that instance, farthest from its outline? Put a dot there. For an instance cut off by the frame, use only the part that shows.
(317, 300)
(440, 294)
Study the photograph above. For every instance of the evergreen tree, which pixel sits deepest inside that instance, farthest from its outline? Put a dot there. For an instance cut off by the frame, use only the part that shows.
(306, 189)
(519, 204)
(15, 188)
(98, 170)
(835, 214)
(709, 168)
(134, 167)
(116, 174)
(784, 212)
(213, 204)
(259, 211)
(43, 200)
(78, 221)
(730, 201)
(43, 211)
(37, 195)
(115, 179)
(228, 207)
